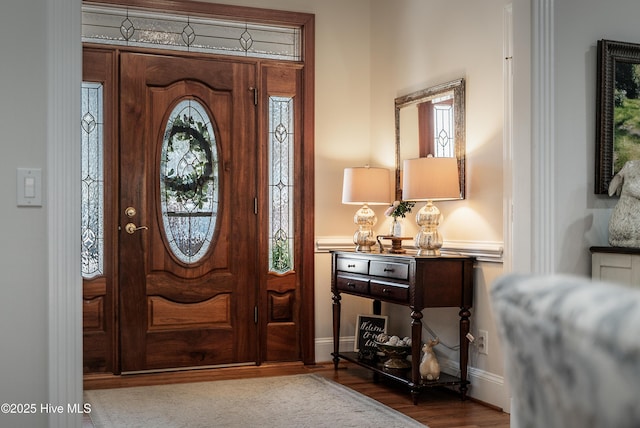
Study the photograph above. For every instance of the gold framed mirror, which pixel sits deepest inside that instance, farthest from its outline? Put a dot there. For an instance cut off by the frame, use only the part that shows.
(431, 121)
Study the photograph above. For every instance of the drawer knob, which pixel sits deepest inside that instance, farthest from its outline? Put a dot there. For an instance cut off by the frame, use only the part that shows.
(351, 285)
(389, 270)
(351, 266)
(386, 290)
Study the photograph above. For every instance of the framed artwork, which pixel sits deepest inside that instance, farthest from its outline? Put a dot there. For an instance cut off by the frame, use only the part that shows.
(618, 109)
(367, 328)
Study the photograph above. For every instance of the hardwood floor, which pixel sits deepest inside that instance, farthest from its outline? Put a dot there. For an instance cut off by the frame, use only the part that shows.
(437, 408)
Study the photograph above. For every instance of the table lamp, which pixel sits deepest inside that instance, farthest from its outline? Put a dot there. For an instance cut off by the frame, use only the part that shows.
(365, 186)
(430, 179)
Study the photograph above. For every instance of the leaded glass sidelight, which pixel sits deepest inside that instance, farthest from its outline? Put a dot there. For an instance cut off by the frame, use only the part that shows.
(443, 127)
(92, 210)
(189, 181)
(281, 184)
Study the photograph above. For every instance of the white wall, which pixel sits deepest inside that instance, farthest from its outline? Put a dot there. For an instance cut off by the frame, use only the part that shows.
(23, 231)
(581, 216)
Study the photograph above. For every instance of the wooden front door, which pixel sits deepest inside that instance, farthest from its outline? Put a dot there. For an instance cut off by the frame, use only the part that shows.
(187, 262)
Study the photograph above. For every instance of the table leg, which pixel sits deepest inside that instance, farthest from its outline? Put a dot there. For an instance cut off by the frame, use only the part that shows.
(416, 345)
(415, 393)
(464, 350)
(336, 329)
(377, 310)
(377, 307)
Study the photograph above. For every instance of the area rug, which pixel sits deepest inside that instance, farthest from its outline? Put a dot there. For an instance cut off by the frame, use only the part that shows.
(306, 400)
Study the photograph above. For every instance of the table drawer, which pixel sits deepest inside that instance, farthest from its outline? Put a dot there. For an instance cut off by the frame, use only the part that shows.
(389, 291)
(352, 284)
(346, 264)
(389, 269)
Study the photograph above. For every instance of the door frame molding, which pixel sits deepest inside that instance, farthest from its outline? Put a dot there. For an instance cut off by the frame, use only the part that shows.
(64, 80)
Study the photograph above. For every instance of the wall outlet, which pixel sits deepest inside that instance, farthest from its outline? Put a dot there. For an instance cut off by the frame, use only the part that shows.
(482, 342)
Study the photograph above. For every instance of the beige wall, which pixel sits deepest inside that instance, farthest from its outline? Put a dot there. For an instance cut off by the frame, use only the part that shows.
(343, 99)
(417, 44)
(421, 43)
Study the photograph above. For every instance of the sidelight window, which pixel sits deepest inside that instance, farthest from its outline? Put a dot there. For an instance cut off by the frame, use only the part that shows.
(281, 184)
(92, 211)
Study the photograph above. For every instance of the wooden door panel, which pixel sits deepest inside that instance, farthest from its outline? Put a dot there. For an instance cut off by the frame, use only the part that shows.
(193, 290)
(165, 314)
(174, 313)
(197, 349)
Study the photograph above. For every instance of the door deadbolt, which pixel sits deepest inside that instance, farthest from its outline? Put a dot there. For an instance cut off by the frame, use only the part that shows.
(131, 228)
(130, 212)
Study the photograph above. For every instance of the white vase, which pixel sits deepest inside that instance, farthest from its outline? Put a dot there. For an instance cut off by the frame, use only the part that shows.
(396, 227)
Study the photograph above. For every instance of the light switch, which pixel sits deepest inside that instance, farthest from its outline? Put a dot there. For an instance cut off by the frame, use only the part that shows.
(29, 187)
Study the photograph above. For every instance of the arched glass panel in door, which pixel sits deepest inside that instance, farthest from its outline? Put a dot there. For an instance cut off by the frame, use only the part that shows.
(189, 181)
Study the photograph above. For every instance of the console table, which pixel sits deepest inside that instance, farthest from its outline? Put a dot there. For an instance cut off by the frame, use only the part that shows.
(621, 265)
(418, 282)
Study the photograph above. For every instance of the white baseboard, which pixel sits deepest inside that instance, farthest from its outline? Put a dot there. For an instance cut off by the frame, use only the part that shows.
(324, 347)
(485, 386)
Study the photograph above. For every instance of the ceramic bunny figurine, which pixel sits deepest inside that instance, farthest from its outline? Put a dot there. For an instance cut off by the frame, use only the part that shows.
(624, 224)
(429, 367)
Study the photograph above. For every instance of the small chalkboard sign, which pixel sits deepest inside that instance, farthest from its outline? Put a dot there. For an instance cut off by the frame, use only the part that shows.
(367, 328)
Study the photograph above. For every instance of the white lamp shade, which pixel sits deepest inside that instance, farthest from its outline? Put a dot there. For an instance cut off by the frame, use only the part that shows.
(366, 185)
(430, 178)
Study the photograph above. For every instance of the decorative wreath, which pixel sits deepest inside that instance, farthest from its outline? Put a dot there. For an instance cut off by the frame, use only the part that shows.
(198, 142)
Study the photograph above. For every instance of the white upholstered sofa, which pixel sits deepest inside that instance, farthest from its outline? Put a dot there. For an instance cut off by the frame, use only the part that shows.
(572, 351)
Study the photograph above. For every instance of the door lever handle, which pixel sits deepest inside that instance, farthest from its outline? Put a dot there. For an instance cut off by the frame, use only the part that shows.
(131, 228)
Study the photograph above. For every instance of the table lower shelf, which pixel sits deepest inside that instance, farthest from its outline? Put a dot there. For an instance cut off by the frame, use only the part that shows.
(402, 376)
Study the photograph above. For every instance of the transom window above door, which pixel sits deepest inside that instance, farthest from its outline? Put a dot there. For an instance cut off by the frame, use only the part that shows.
(142, 28)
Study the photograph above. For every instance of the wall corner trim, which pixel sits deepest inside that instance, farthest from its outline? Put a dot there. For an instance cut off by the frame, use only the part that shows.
(64, 77)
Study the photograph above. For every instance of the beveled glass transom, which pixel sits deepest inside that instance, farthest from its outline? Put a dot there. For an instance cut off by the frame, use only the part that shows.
(120, 25)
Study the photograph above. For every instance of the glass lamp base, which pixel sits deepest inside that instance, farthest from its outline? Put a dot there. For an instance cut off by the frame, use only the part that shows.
(428, 240)
(364, 238)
